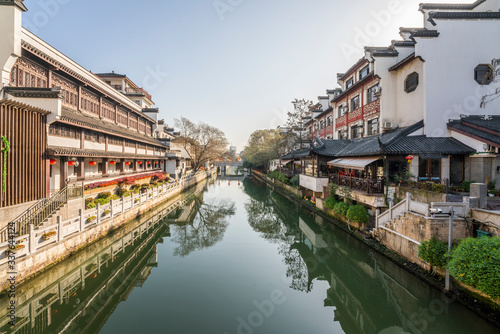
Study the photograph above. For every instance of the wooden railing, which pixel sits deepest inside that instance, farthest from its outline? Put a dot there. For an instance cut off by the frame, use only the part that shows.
(43, 209)
(369, 186)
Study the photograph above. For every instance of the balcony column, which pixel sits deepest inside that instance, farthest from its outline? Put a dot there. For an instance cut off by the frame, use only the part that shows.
(80, 171)
(105, 167)
(64, 172)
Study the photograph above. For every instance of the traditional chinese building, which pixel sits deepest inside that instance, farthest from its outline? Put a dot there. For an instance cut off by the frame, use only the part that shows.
(65, 124)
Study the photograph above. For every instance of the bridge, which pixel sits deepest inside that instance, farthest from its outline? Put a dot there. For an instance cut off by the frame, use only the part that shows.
(228, 163)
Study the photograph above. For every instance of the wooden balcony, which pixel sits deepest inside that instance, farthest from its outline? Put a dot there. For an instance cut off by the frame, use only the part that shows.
(367, 186)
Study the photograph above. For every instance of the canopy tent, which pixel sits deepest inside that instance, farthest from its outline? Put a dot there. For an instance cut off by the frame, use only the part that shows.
(285, 162)
(353, 163)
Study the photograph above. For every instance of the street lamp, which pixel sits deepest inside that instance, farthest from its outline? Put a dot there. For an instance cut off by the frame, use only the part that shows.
(450, 239)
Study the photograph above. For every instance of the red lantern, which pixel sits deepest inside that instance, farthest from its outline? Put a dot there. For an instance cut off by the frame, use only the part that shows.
(92, 163)
(53, 161)
(149, 162)
(128, 163)
(161, 161)
(139, 162)
(112, 162)
(71, 163)
(409, 158)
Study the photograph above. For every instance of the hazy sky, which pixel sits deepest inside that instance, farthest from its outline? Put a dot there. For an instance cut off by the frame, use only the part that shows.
(236, 64)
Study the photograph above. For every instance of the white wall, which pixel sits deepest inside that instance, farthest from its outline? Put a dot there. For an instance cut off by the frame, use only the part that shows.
(115, 148)
(89, 145)
(129, 149)
(450, 59)
(10, 40)
(63, 142)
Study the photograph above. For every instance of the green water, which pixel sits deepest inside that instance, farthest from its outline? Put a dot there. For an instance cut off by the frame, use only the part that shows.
(237, 258)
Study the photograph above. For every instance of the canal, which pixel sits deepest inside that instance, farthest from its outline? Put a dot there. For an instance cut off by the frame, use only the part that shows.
(232, 256)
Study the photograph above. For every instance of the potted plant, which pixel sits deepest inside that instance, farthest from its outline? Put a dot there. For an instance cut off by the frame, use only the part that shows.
(106, 212)
(8, 251)
(91, 219)
(49, 235)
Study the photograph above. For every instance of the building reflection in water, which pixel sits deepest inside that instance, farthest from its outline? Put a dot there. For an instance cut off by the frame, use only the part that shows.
(78, 295)
(367, 292)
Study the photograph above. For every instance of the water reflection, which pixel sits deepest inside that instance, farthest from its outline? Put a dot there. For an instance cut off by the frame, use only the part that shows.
(368, 293)
(80, 294)
(205, 227)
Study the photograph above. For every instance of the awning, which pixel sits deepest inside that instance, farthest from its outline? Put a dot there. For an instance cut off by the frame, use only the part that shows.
(353, 163)
(298, 162)
(284, 162)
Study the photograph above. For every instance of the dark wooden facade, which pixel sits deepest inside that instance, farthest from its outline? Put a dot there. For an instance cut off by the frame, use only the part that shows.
(25, 129)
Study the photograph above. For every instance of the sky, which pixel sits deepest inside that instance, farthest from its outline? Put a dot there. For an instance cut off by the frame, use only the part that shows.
(234, 64)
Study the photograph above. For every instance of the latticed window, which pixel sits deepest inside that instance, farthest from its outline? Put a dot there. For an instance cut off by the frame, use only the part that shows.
(27, 73)
(115, 141)
(411, 82)
(63, 130)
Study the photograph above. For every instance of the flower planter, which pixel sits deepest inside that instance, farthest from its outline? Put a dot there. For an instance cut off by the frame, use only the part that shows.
(18, 247)
(91, 219)
(49, 235)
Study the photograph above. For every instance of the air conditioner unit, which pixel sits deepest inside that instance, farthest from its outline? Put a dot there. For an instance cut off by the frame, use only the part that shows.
(377, 90)
(387, 125)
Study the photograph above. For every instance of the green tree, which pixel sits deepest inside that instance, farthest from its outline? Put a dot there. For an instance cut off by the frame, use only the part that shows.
(264, 146)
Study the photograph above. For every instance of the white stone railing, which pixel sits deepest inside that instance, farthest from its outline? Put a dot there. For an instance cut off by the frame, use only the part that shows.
(39, 238)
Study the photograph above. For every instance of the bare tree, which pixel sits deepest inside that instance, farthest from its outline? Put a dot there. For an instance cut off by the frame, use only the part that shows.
(201, 141)
(296, 119)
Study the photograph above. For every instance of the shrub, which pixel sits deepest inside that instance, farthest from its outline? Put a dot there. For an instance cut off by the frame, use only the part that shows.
(341, 208)
(103, 201)
(106, 212)
(89, 203)
(466, 185)
(358, 214)
(121, 192)
(135, 187)
(492, 185)
(434, 252)
(91, 219)
(330, 203)
(476, 262)
(295, 181)
(154, 184)
(105, 194)
(282, 178)
(438, 188)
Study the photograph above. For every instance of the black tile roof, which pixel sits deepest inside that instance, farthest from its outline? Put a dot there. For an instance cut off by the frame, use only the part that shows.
(341, 76)
(38, 93)
(382, 51)
(296, 154)
(77, 152)
(111, 75)
(423, 145)
(402, 62)
(450, 6)
(490, 122)
(419, 32)
(479, 128)
(77, 118)
(403, 43)
(463, 16)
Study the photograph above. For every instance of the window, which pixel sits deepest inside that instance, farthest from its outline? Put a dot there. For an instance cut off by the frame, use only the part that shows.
(342, 135)
(364, 72)
(411, 82)
(355, 103)
(373, 127)
(372, 94)
(483, 74)
(356, 131)
(341, 111)
(329, 121)
(349, 83)
(322, 124)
